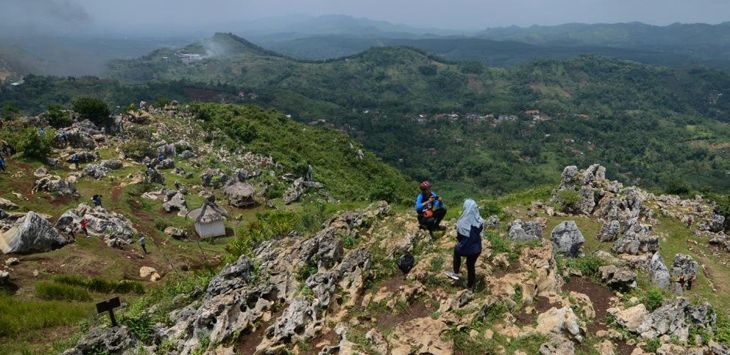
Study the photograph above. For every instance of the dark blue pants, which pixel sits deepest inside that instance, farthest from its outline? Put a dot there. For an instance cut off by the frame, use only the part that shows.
(471, 261)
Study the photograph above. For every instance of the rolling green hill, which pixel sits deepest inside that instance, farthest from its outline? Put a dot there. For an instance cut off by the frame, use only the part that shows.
(657, 126)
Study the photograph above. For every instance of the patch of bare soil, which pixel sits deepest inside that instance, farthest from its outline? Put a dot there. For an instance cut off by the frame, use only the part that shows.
(417, 309)
(320, 342)
(541, 305)
(599, 295)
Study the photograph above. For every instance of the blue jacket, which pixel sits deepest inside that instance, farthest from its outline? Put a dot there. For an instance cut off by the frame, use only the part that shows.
(469, 245)
(420, 199)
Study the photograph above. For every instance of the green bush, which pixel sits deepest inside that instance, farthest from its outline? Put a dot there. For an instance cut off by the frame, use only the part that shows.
(138, 149)
(569, 201)
(36, 145)
(653, 298)
(588, 265)
(60, 292)
(57, 117)
(723, 329)
(10, 111)
(267, 225)
(652, 345)
(93, 109)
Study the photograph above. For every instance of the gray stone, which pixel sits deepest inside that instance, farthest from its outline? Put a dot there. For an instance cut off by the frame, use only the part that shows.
(112, 164)
(717, 224)
(610, 231)
(658, 272)
(113, 225)
(492, 222)
(295, 191)
(176, 233)
(702, 315)
(166, 164)
(114, 340)
(84, 157)
(618, 278)
(7, 205)
(4, 277)
(669, 319)
(213, 178)
(168, 150)
(31, 234)
(567, 239)
(152, 176)
(54, 184)
(684, 269)
(176, 202)
(529, 231)
(240, 194)
(187, 154)
(12, 261)
(96, 171)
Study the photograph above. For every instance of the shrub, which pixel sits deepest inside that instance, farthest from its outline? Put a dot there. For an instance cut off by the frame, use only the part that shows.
(723, 329)
(10, 111)
(652, 345)
(653, 298)
(60, 292)
(568, 201)
(36, 144)
(93, 109)
(588, 265)
(268, 225)
(138, 149)
(57, 117)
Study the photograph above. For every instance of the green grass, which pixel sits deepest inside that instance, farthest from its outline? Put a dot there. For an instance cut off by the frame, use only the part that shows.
(18, 316)
(61, 292)
(96, 284)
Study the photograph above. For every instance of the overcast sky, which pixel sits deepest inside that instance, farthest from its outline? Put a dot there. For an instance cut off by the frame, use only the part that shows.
(173, 15)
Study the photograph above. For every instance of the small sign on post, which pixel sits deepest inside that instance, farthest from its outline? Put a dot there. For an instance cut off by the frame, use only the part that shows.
(108, 306)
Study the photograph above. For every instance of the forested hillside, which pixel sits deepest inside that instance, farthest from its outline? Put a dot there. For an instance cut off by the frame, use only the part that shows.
(510, 128)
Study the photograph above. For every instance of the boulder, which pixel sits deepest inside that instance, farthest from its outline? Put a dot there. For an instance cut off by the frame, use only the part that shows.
(54, 184)
(658, 272)
(295, 191)
(12, 261)
(168, 150)
(560, 321)
(101, 223)
(567, 239)
(96, 171)
(4, 277)
(112, 164)
(717, 223)
(684, 269)
(492, 222)
(669, 319)
(31, 234)
(244, 174)
(78, 135)
(84, 157)
(7, 205)
(176, 233)
(113, 340)
(529, 231)
(213, 178)
(721, 241)
(146, 272)
(630, 318)
(187, 154)
(166, 164)
(176, 202)
(40, 172)
(637, 239)
(152, 176)
(618, 278)
(240, 194)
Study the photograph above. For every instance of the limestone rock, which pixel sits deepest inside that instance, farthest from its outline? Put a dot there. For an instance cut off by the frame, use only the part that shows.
(717, 223)
(610, 231)
(176, 233)
(529, 231)
(176, 203)
(684, 269)
(114, 340)
(146, 272)
(562, 321)
(567, 239)
(101, 223)
(12, 261)
(7, 205)
(112, 164)
(166, 164)
(31, 234)
(630, 318)
(618, 278)
(669, 319)
(492, 222)
(54, 184)
(96, 171)
(658, 272)
(240, 194)
(152, 176)
(213, 178)
(4, 277)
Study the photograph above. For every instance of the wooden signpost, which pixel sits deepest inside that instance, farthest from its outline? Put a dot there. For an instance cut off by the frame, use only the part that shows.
(108, 306)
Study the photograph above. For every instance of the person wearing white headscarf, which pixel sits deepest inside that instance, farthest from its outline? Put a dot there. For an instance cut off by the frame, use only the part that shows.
(469, 241)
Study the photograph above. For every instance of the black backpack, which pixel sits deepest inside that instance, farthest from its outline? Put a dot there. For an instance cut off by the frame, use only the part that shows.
(406, 262)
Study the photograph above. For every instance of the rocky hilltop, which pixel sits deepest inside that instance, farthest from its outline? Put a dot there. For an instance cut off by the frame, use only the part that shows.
(622, 271)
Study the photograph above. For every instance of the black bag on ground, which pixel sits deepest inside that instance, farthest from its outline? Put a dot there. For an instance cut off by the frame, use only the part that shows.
(406, 262)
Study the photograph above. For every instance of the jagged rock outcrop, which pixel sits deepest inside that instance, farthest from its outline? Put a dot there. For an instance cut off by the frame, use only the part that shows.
(166, 164)
(528, 231)
(560, 321)
(298, 188)
(176, 233)
(675, 319)
(684, 269)
(78, 135)
(8, 205)
(83, 157)
(113, 340)
(240, 194)
(658, 272)
(30, 234)
(116, 228)
(567, 239)
(175, 202)
(112, 164)
(636, 239)
(96, 171)
(618, 278)
(152, 176)
(610, 231)
(55, 184)
(213, 178)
